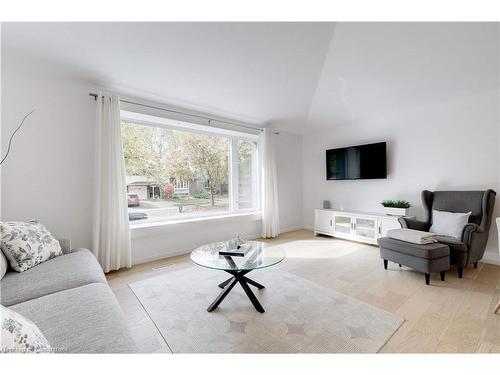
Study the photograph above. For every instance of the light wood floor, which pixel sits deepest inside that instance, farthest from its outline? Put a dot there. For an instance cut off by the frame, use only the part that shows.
(451, 316)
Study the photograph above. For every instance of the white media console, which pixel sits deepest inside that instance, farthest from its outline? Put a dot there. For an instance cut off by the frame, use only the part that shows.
(354, 225)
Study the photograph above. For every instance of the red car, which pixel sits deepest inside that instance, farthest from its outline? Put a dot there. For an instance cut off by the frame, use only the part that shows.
(133, 200)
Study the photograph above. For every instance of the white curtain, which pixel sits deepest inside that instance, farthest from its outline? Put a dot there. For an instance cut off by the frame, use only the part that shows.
(270, 207)
(111, 228)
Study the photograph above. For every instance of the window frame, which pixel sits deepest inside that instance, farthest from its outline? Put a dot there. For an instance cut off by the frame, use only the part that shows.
(233, 171)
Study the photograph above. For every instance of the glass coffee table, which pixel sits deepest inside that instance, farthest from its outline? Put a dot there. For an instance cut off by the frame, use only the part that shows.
(261, 255)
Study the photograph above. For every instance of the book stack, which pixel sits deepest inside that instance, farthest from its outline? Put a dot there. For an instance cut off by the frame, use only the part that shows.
(237, 250)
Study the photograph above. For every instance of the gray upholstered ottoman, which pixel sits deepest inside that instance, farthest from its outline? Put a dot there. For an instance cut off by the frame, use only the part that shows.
(424, 258)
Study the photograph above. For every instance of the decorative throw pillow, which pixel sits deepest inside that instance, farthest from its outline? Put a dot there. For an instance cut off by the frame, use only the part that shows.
(26, 244)
(21, 335)
(450, 224)
(3, 265)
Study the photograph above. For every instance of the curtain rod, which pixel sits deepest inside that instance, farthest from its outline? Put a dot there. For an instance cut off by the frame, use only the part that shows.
(183, 113)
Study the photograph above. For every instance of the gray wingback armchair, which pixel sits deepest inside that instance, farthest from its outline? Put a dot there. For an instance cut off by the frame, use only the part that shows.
(470, 249)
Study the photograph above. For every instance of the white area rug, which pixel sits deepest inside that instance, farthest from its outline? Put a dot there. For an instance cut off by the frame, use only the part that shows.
(300, 317)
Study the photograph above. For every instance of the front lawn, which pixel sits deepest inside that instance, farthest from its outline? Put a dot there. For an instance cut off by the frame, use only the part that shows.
(188, 203)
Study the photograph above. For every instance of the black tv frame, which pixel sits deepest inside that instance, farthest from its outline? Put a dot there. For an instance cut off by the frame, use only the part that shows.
(384, 176)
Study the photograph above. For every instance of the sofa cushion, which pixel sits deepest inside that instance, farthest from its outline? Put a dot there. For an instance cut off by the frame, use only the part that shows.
(3, 265)
(20, 335)
(87, 319)
(428, 251)
(27, 244)
(64, 272)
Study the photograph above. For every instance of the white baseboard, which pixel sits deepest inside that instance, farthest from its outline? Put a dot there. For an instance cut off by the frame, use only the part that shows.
(152, 258)
(490, 260)
(486, 259)
(171, 254)
(292, 229)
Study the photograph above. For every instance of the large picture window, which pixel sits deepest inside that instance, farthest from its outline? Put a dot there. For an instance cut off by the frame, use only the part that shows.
(179, 170)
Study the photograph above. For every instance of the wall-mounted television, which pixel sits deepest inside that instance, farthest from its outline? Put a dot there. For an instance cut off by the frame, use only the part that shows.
(357, 162)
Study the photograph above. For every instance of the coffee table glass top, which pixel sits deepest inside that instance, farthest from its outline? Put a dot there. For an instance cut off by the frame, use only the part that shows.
(261, 255)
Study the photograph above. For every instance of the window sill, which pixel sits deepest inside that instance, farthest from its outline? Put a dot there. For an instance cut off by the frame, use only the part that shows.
(145, 229)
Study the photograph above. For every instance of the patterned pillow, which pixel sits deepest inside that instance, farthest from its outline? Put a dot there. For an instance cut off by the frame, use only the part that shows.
(21, 335)
(27, 244)
(3, 265)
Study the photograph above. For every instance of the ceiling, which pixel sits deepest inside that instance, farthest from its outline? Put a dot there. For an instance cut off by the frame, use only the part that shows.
(376, 68)
(294, 76)
(258, 72)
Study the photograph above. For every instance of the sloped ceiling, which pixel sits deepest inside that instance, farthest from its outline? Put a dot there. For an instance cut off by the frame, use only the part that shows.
(295, 76)
(376, 68)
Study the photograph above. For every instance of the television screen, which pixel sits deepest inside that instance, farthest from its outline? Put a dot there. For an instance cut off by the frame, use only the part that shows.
(357, 162)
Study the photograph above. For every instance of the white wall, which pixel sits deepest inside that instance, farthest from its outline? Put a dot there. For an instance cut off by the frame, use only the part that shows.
(49, 174)
(289, 170)
(446, 145)
(1, 149)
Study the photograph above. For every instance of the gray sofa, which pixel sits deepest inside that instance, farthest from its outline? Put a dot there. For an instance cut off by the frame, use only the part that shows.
(470, 248)
(69, 299)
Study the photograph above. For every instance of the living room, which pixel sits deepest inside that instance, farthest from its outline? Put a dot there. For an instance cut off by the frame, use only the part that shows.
(250, 187)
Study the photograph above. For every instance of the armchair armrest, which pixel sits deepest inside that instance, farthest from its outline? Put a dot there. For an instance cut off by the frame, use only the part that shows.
(414, 224)
(65, 245)
(469, 229)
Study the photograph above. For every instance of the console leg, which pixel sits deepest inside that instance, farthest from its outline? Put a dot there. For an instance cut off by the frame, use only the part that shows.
(385, 263)
(427, 278)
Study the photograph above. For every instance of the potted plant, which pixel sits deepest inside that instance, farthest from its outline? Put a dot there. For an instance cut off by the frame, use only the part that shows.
(396, 207)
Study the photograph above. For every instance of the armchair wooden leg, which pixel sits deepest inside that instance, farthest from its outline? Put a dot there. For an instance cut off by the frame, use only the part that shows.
(427, 278)
(442, 273)
(460, 272)
(475, 265)
(497, 308)
(385, 263)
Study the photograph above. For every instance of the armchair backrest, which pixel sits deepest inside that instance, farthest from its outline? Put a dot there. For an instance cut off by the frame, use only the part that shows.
(480, 203)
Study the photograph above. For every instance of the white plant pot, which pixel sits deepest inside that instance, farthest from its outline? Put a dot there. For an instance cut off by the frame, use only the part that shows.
(393, 211)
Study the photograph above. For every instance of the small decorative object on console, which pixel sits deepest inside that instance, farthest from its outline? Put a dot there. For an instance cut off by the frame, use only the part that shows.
(326, 205)
(395, 207)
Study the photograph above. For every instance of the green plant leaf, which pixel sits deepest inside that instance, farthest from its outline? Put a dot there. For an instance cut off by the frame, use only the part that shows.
(395, 203)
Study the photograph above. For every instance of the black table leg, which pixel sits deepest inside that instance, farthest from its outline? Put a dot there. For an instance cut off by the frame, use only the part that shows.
(250, 295)
(222, 295)
(254, 283)
(223, 284)
(238, 277)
